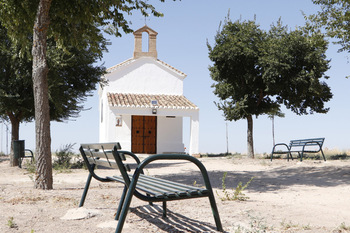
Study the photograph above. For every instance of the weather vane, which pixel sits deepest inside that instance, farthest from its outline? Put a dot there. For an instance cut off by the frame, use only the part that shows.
(146, 14)
(146, 19)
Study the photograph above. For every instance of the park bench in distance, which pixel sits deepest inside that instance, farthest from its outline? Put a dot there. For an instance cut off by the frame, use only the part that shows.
(146, 188)
(19, 152)
(301, 146)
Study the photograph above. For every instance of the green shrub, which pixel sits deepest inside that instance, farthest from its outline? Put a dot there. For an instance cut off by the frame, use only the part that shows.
(237, 194)
(64, 156)
(67, 159)
(11, 223)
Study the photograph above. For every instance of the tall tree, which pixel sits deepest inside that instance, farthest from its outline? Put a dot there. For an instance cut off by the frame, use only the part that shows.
(72, 76)
(70, 22)
(256, 71)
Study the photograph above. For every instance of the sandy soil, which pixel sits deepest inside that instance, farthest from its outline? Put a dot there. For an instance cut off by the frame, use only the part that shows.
(312, 196)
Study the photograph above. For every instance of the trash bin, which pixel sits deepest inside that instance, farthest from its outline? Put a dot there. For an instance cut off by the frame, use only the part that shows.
(18, 151)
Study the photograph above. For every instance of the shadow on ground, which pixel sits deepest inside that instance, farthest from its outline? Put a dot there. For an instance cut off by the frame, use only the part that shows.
(174, 222)
(270, 180)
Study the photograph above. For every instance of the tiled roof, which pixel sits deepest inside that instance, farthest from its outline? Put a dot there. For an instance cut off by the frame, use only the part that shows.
(171, 67)
(113, 68)
(144, 101)
(129, 61)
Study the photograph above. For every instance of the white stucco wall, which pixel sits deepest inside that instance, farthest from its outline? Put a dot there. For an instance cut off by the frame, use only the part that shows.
(169, 135)
(122, 134)
(145, 76)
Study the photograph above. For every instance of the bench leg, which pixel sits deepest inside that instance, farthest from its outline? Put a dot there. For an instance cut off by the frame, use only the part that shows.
(125, 207)
(271, 155)
(87, 185)
(150, 203)
(164, 209)
(215, 212)
(20, 162)
(324, 158)
(120, 206)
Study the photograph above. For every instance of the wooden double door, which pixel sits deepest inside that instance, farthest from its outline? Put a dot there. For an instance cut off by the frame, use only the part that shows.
(144, 134)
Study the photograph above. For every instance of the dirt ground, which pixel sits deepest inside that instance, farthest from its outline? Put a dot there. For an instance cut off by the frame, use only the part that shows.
(308, 196)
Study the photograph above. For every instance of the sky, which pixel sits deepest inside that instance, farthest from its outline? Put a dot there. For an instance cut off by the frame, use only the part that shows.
(182, 39)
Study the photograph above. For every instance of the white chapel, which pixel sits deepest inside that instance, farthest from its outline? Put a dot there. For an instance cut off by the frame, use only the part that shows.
(143, 106)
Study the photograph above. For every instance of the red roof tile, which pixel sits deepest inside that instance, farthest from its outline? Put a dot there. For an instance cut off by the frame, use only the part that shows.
(143, 100)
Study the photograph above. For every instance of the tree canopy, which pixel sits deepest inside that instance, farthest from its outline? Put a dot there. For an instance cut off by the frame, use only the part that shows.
(334, 17)
(257, 71)
(72, 76)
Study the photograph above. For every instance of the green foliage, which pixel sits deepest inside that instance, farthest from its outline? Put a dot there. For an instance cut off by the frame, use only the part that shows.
(30, 166)
(67, 159)
(237, 194)
(72, 76)
(256, 225)
(73, 22)
(11, 223)
(218, 155)
(288, 225)
(64, 156)
(256, 71)
(344, 227)
(16, 92)
(342, 156)
(333, 18)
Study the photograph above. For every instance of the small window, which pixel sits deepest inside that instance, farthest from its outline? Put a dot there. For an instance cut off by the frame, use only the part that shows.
(145, 38)
(154, 102)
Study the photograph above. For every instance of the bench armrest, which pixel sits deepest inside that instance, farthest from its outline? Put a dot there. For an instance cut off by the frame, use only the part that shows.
(319, 144)
(153, 158)
(280, 144)
(132, 155)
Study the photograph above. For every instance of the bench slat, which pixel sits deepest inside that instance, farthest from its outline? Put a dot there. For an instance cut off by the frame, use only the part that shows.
(160, 187)
(169, 183)
(103, 163)
(99, 154)
(170, 189)
(106, 146)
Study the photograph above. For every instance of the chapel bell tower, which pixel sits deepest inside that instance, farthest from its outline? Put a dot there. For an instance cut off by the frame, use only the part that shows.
(152, 41)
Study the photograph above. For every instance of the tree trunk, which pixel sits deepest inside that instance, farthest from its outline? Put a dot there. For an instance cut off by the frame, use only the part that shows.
(14, 136)
(250, 137)
(43, 177)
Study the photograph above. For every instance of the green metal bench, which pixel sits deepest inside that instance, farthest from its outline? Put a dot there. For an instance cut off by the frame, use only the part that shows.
(31, 156)
(301, 146)
(136, 183)
(19, 152)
